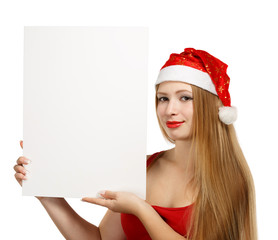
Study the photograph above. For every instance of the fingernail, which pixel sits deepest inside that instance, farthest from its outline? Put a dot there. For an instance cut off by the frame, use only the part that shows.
(27, 161)
(100, 192)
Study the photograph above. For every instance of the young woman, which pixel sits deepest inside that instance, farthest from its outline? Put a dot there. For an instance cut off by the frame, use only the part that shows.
(200, 189)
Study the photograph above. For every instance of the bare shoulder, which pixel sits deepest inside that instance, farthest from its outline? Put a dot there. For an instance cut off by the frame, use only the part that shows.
(110, 226)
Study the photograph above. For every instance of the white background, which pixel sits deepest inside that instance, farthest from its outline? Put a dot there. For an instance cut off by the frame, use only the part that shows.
(243, 34)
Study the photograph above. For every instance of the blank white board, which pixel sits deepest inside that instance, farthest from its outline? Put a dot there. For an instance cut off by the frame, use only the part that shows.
(85, 110)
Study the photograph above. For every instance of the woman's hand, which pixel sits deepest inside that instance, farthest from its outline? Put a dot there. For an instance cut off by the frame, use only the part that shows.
(20, 171)
(123, 202)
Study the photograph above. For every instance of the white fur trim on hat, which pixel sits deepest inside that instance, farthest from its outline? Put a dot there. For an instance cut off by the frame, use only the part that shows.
(227, 115)
(188, 75)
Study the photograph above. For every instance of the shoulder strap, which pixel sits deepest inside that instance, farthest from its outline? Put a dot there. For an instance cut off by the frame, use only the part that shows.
(152, 157)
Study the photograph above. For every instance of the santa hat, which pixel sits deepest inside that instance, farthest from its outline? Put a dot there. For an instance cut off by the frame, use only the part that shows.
(203, 70)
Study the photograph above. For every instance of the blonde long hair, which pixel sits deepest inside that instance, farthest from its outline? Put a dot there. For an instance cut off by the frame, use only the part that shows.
(224, 208)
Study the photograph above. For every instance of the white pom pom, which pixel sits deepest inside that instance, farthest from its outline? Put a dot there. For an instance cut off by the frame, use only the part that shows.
(227, 115)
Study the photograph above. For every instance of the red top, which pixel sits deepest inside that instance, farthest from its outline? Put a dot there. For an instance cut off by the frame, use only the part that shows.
(176, 218)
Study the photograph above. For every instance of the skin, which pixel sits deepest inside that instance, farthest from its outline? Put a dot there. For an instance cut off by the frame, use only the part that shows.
(174, 106)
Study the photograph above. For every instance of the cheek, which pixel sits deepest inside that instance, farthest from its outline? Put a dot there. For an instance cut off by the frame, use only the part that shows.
(191, 114)
(188, 112)
(159, 111)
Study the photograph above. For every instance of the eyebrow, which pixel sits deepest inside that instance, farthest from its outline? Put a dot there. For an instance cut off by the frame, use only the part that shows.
(176, 92)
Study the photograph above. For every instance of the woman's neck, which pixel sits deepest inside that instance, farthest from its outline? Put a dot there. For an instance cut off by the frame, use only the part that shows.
(179, 158)
(180, 154)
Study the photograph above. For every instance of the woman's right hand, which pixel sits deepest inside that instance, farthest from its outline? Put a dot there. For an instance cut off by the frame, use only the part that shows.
(20, 171)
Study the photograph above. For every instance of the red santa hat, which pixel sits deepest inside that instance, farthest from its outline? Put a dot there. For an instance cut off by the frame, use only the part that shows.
(203, 70)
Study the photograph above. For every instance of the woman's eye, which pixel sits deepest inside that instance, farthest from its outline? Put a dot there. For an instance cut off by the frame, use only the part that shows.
(162, 99)
(187, 98)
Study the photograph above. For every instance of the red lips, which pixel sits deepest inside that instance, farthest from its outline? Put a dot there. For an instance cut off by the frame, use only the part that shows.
(173, 124)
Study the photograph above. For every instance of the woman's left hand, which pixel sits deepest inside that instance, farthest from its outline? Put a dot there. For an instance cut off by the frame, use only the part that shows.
(123, 202)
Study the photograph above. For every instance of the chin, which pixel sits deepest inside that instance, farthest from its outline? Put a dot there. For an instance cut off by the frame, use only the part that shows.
(180, 138)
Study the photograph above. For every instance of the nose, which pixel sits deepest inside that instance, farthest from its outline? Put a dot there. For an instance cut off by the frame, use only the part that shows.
(172, 108)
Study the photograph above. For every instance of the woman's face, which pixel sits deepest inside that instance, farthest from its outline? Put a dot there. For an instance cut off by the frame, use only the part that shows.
(175, 104)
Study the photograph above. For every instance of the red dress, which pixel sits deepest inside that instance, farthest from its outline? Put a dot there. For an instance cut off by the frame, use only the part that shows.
(176, 218)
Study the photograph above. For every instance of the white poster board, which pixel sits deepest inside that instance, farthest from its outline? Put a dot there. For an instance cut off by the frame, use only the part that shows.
(85, 110)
